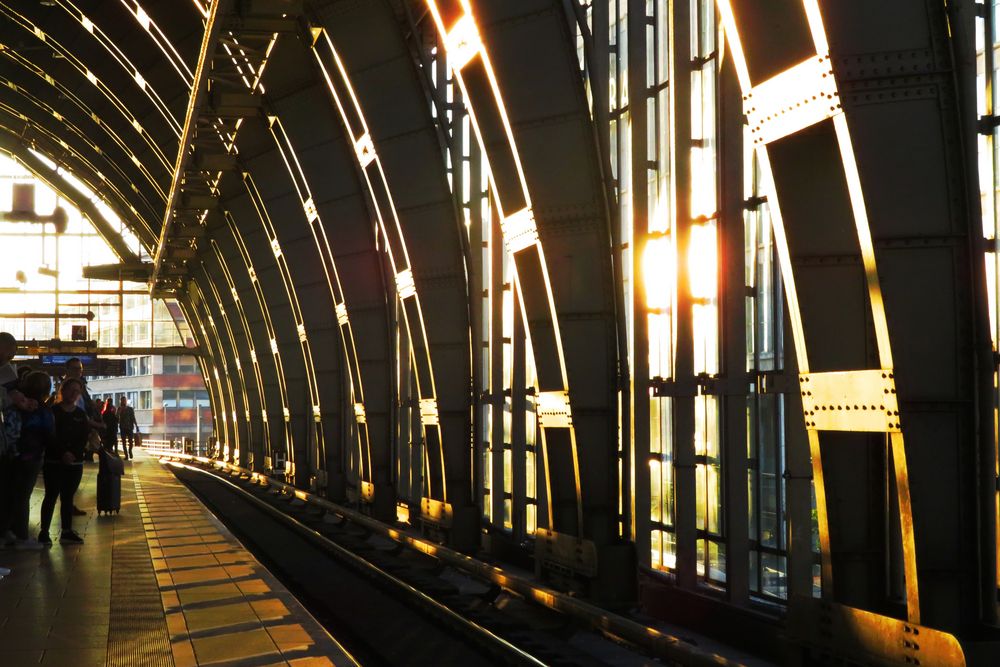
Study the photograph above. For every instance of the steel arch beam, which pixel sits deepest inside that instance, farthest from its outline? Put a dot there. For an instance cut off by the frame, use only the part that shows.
(227, 305)
(55, 124)
(374, 88)
(126, 119)
(516, 65)
(301, 202)
(246, 403)
(863, 258)
(52, 145)
(218, 375)
(286, 247)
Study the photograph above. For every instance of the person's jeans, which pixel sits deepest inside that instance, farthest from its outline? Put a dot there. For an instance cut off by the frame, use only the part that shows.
(128, 442)
(7, 466)
(61, 481)
(23, 479)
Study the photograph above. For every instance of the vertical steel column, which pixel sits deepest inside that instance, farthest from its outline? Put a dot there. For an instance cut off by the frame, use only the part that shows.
(684, 418)
(732, 325)
(518, 445)
(991, 465)
(799, 487)
(496, 289)
(635, 422)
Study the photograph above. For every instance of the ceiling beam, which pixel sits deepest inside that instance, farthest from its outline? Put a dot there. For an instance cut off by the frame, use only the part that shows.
(199, 94)
(225, 92)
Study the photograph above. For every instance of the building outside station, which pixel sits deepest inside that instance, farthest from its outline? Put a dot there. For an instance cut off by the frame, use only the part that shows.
(167, 394)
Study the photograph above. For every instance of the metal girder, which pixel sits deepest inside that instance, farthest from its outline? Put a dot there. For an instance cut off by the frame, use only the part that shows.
(72, 133)
(387, 135)
(349, 272)
(224, 92)
(843, 172)
(555, 225)
(35, 347)
(134, 271)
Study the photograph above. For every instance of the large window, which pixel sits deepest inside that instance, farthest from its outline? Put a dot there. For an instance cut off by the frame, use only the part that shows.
(703, 279)
(183, 365)
(765, 409)
(42, 273)
(184, 398)
(659, 267)
(137, 366)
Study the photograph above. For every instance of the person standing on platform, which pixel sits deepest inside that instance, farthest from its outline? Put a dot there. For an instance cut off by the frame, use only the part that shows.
(127, 427)
(6, 454)
(110, 418)
(11, 396)
(63, 467)
(9, 376)
(33, 433)
(74, 370)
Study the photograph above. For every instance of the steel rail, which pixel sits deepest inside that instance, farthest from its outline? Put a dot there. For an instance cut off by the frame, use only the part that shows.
(425, 601)
(610, 624)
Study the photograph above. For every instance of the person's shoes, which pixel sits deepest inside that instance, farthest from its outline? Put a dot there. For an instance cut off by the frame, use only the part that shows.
(78, 512)
(28, 545)
(44, 539)
(4, 571)
(70, 537)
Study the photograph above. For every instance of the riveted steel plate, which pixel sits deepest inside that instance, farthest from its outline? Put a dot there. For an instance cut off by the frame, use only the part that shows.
(860, 401)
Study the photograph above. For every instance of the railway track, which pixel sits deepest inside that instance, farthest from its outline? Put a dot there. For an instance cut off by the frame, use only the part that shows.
(393, 598)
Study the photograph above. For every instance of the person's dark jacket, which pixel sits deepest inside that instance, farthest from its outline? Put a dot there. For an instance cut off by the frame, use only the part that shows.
(126, 420)
(110, 435)
(71, 434)
(37, 432)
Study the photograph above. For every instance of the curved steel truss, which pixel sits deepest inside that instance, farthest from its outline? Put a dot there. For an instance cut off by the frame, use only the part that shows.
(619, 286)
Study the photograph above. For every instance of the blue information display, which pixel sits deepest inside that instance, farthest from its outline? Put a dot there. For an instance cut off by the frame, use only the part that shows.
(61, 359)
(93, 366)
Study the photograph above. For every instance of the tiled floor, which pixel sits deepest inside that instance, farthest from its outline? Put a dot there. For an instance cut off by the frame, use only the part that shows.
(163, 583)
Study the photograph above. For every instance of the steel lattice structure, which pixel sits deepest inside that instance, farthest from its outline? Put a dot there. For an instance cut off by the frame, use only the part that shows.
(682, 302)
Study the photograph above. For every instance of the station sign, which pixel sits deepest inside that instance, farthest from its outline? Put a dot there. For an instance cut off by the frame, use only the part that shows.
(93, 365)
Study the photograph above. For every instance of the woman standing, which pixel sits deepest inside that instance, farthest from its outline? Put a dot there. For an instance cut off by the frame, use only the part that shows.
(110, 418)
(63, 467)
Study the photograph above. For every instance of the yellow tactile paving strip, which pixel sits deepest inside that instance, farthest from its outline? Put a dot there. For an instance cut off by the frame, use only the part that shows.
(222, 606)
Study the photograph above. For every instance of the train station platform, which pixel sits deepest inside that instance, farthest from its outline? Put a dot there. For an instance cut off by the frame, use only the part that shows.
(163, 583)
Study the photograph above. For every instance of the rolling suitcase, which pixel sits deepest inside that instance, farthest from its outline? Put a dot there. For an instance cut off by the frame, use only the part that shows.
(109, 483)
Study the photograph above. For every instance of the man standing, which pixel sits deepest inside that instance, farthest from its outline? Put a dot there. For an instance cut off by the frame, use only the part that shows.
(127, 426)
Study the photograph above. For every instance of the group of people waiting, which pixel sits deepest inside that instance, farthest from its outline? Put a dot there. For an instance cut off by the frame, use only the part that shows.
(49, 434)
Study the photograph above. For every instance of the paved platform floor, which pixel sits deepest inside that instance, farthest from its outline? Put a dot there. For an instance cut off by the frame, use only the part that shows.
(162, 583)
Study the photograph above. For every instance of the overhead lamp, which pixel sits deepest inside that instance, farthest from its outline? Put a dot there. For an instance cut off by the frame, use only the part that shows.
(23, 209)
(46, 271)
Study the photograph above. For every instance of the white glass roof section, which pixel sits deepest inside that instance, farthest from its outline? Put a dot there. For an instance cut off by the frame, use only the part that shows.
(43, 294)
